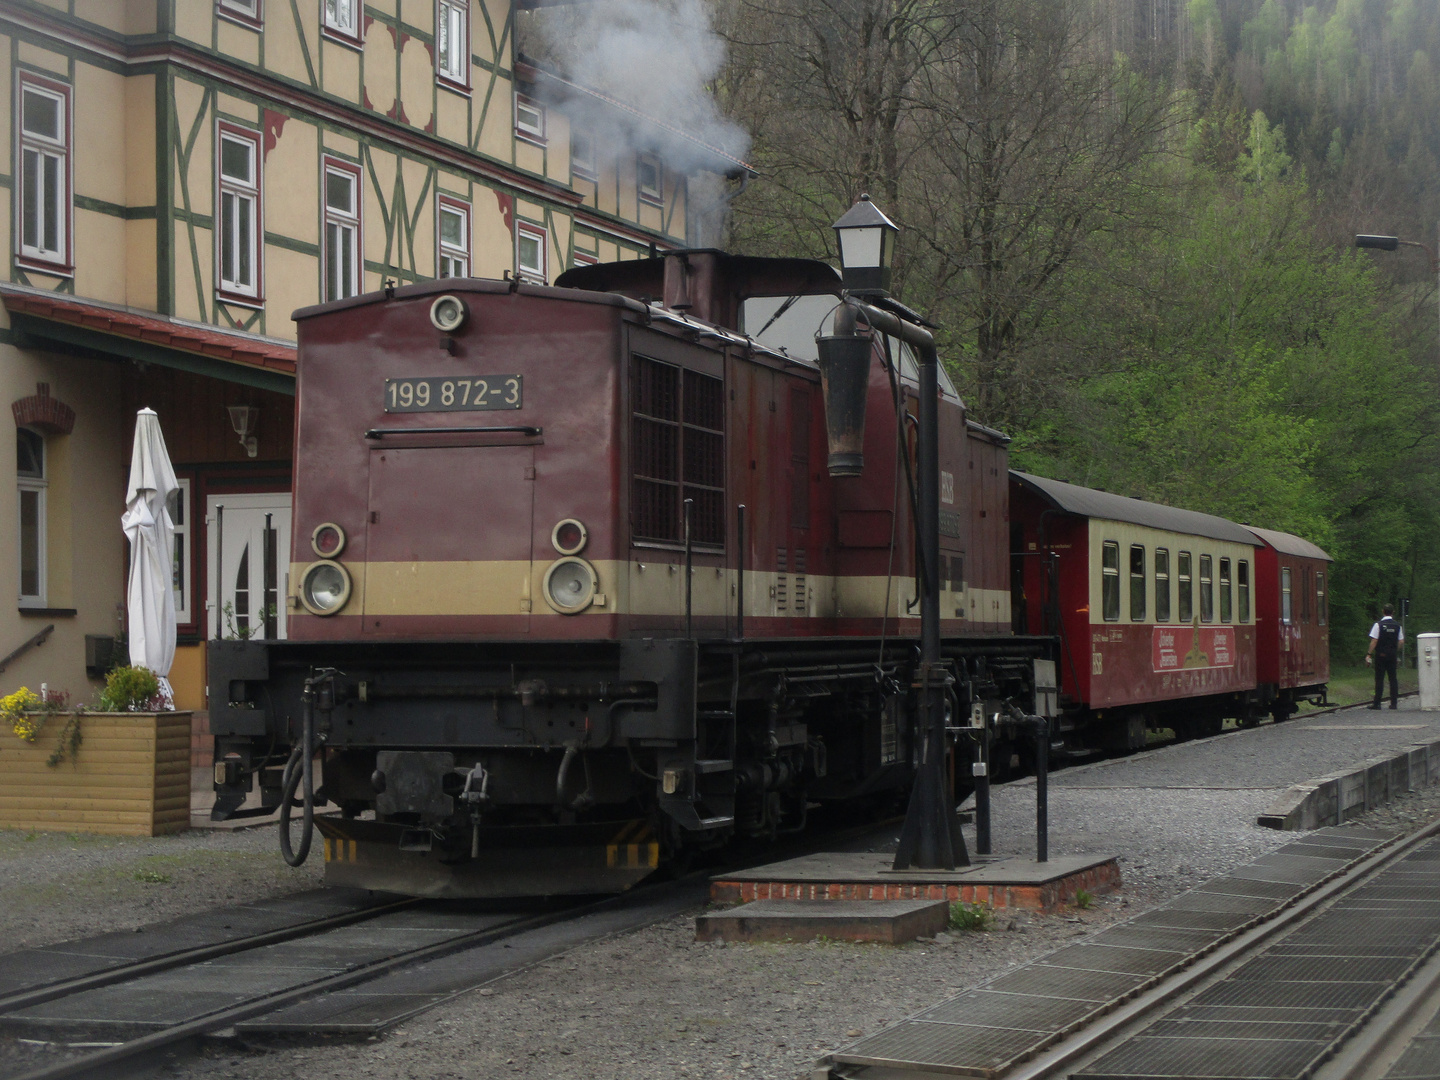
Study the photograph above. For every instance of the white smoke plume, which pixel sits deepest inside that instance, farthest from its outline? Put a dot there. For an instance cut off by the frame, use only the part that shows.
(656, 56)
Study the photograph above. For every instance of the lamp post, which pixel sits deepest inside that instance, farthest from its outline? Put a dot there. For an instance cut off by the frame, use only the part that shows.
(1393, 243)
(930, 838)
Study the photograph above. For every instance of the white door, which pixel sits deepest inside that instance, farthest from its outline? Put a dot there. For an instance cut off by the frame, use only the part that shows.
(251, 535)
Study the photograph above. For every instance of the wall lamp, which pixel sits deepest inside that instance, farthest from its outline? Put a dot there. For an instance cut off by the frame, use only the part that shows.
(245, 419)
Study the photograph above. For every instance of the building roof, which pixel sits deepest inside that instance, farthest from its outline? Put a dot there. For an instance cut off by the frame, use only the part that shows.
(1086, 502)
(1290, 544)
(70, 323)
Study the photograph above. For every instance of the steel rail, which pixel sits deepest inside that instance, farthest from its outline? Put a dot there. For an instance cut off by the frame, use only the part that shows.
(1127, 1019)
(125, 972)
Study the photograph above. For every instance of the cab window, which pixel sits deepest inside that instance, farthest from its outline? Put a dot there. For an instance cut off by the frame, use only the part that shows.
(1110, 581)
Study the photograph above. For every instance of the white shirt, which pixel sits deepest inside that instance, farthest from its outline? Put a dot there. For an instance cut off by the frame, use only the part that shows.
(1375, 632)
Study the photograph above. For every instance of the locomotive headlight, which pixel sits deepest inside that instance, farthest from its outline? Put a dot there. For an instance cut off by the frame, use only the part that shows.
(324, 587)
(570, 585)
(448, 313)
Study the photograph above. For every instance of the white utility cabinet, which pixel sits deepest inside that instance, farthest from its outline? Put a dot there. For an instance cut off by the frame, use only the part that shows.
(1429, 664)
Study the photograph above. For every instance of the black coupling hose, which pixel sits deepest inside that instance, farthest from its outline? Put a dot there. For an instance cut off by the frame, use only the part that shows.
(295, 772)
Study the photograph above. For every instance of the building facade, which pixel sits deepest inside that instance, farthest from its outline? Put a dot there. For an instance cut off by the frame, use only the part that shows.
(182, 175)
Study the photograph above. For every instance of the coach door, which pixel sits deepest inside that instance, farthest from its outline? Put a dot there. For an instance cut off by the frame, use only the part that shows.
(448, 540)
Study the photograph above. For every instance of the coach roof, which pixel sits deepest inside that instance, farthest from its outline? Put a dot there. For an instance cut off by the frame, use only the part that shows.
(1087, 502)
(1289, 544)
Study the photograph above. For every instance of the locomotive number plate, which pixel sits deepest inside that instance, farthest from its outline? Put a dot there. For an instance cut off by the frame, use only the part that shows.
(444, 393)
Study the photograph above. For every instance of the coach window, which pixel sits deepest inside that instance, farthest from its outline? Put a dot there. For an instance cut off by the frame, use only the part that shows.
(1285, 595)
(1137, 582)
(1162, 585)
(1319, 598)
(1207, 589)
(1225, 609)
(1110, 581)
(1187, 595)
(1242, 588)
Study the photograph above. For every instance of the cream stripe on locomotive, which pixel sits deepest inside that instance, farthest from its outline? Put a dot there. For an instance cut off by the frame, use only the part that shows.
(501, 587)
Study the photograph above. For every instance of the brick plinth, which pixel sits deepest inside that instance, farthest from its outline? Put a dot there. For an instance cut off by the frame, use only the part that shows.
(1045, 897)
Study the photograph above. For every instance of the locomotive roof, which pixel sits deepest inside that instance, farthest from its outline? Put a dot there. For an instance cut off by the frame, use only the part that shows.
(1087, 502)
(1290, 544)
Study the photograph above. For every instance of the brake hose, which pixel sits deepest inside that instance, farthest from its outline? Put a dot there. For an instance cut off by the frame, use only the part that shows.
(293, 776)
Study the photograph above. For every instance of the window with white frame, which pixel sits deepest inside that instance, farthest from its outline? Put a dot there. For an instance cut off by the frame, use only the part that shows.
(247, 12)
(342, 229)
(238, 222)
(180, 554)
(453, 231)
(649, 178)
(44, 159)
(584, 258)
(530, 252)
(343, 17)
(529, 119)
(452, 41)
(582, 155)
(31, 482)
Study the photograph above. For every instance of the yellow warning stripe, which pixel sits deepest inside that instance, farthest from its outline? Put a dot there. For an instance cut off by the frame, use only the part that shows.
(337, 850)
(632, 856)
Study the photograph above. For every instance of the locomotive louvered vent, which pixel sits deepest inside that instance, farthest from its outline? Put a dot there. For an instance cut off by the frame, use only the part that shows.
(782, 580)
(799, 582)
(678, 453)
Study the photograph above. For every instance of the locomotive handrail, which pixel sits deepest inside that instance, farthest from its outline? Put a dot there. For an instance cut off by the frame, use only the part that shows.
(521, 429)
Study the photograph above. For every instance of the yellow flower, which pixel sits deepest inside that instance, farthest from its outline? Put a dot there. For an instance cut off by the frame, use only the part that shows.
(16, 709)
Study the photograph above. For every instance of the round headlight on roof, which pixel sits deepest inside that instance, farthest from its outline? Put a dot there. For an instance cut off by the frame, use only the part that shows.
(448, 313)
(570, 585)
(324, 587)
(569, 537)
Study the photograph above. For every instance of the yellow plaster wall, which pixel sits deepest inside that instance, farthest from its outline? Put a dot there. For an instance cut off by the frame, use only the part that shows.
(239, 42)
(341, 69)
(44, 58)
(557, 160)
(494, 246)
(499, 11)
(284, 38)
(452, 117)
(292, 179)
(379, 68)
(529, 157)
(99, 99)
(417, 83)
(497, 134)
(100, 262)
(193, 21)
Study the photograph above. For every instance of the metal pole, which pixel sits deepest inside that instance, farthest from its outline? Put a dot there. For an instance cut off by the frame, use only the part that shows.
(219, 565)
(689, 570)
(740, 573)
(982, 792)
(1042, 791)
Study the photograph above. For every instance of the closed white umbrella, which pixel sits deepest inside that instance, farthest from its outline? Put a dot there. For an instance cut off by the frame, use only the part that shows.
(150, 595)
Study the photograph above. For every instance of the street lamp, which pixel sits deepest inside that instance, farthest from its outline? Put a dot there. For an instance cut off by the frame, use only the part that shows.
(930, 838)
(1392, 243)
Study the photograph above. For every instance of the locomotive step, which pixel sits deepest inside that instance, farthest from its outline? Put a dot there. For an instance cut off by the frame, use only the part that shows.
(709, 765)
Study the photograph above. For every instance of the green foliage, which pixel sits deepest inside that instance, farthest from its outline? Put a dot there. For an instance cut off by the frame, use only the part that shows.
(151, 877)
(131, 689)
(1084, 899)
(971, 917)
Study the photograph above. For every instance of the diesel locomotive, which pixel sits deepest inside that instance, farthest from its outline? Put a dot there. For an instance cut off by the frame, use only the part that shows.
(572, 591)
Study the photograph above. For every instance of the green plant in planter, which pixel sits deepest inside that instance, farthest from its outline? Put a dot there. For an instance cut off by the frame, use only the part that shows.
(131, 689)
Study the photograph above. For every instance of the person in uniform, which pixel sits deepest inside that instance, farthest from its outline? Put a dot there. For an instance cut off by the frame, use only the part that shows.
(1385, 638)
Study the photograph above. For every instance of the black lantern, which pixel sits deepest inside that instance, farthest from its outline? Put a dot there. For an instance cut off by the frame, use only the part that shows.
(867, 247)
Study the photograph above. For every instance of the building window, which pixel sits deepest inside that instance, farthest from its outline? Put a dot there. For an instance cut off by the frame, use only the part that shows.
(342, 20)
(452, 43)
(245, 12)
(1286, 611)
(1207, 589)
(584, 258)
(44, 183)
(678, 419)
(649, 179)
(1137, 582)
(180, 555)
(342, 229)
(30, 479)
(238, 224)
(1110, 581)
(582, 155)
(1225, 610)
(453, 230)
(529, 119)
(530, 252)
(1186, 592)
(1162, 584)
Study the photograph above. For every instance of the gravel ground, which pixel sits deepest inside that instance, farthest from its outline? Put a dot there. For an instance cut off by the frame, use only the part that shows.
(656, 1003)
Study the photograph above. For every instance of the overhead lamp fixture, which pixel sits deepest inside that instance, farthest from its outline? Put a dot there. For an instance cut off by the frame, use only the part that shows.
(245, 419)
(867, 248)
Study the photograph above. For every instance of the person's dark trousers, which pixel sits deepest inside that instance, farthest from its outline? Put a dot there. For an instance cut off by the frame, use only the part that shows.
(1385, 664)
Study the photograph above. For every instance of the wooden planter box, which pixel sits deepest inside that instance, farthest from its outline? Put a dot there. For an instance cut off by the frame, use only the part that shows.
(131, 776)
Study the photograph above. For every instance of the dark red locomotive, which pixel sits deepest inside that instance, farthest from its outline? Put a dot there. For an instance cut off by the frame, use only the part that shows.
(586, 590)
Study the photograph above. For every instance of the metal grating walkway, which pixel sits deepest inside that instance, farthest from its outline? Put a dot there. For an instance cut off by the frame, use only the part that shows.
(1316, 985)
(987, 1030)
